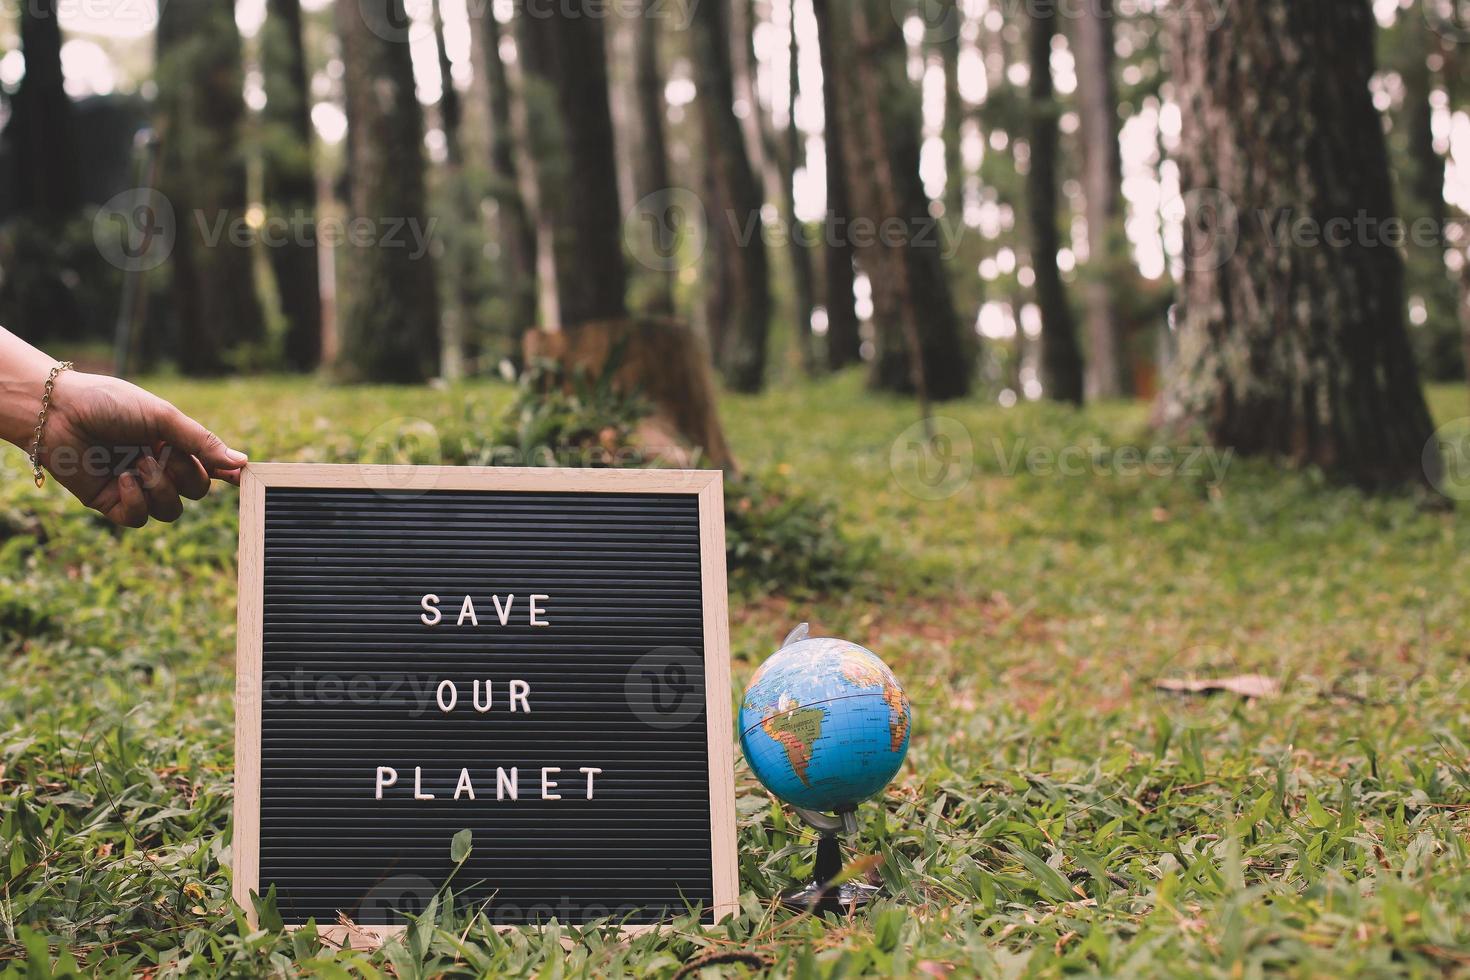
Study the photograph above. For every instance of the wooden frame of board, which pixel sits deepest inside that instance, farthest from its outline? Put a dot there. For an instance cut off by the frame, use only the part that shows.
(257, 478)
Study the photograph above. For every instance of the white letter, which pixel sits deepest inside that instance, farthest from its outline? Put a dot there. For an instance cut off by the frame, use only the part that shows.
(537, 611)
(468, 610)
(504, 786)
(465, 787)
(518, 692)
(431, 614)
(589, 771)
(453, 696)
(486, 706)
(547, 785)
(504, 614)
(386, 777)
(418, 789)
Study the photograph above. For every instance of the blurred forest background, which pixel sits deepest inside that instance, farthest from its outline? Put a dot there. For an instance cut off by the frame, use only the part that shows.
(995, 198)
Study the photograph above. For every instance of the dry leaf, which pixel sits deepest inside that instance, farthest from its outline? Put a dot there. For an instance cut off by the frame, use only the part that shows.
(1244, 685)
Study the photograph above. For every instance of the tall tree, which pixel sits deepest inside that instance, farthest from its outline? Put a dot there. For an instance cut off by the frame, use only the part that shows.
(566, 92)
(390, 326)
(738, 296)
(1292, 348)
(201, 111)
(1061, 359)
(575, 169)
(844, 344)
(1108, 374)
(463, 250)
(42, 120)
(793, 157)
(949, 35)
(516, 232)
(649, 146)
(290, 181)
(921, 346)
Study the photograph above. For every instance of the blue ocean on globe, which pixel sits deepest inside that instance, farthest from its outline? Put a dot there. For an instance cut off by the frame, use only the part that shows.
(824, 724)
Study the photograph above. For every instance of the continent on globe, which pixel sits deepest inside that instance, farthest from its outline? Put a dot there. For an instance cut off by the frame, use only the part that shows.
(797, 730)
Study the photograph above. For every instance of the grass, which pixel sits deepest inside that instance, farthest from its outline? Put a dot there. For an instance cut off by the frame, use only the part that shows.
(1056, 815)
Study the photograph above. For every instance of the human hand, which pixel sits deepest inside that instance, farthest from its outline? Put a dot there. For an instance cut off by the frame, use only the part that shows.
(128, 454)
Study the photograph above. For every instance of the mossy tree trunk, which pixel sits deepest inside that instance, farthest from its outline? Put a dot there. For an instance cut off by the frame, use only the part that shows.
(200, 114)
(390, 322)
(920, 344)
(290, 182)
(737, 286)
(1291, 346)
(1108, 267)
(566, 91)
(844, 342)
(1061, 358)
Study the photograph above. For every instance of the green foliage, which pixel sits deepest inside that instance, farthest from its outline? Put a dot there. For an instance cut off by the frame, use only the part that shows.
(571, 418)
(1057, 815)
(783, 540)
(778, 538)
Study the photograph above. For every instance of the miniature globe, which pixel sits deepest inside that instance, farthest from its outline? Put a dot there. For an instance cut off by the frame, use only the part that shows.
(824, 724)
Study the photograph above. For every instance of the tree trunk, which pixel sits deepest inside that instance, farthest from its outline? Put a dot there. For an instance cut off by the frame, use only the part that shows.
(844, 343)
(948, 43)
(516, 231)
(661, 360)
(920, 347)
(290, 182)
(1108, 374)
(390, 320)
(1292, 349)
(737, 297)
(803, 284)
(42, 120)
(200, 114)
(566, 92)
(1061, 360)
(649, 143)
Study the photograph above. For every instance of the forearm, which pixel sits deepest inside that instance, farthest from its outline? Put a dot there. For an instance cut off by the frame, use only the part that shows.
(23, 372)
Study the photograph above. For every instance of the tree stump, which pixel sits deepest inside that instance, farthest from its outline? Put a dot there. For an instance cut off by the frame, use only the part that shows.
(664, 362)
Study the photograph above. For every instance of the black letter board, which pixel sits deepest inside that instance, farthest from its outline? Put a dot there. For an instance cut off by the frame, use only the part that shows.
(538, 656)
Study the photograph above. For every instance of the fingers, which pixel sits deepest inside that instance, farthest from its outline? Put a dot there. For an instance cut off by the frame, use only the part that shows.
(131, 507)
(159, 490)
(184, 433)
(184, 470)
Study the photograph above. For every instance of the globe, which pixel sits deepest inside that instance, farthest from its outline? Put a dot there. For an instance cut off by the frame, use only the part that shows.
(824, 724)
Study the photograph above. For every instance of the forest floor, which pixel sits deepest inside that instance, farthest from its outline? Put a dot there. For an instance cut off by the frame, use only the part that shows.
(1058, 813)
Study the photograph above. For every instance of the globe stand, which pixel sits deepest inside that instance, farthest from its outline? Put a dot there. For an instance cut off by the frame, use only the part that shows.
(821, 894)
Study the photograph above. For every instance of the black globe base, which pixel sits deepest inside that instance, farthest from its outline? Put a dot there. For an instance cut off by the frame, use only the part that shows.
(820, 894)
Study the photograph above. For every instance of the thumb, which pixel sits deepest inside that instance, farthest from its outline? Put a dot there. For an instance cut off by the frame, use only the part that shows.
(182, 432)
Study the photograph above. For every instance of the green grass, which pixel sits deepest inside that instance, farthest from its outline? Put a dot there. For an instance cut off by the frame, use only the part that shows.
(1056, 815)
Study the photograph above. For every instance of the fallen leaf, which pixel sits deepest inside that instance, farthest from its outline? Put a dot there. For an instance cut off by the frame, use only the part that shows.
(1245, 685)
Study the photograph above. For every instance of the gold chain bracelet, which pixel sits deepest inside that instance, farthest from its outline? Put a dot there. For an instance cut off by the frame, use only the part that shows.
(36, 471)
